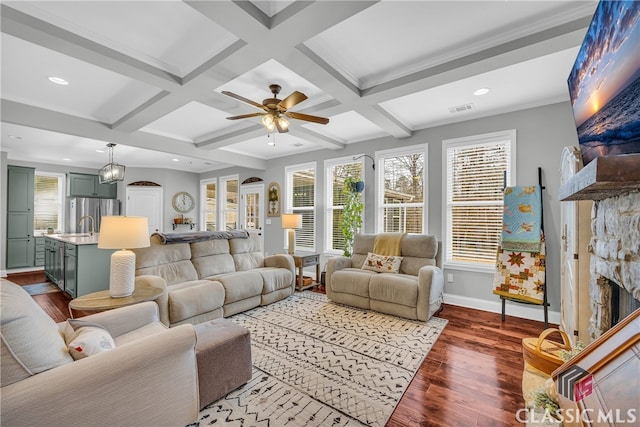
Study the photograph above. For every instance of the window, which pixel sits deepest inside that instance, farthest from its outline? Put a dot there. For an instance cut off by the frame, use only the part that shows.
(228, 203)
(476, 168)
(209, 214)
(301, 199)
(336, 171)
(48, 201)
(401, 195)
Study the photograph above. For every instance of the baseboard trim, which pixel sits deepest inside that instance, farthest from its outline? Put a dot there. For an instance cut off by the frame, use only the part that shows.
(522, 311)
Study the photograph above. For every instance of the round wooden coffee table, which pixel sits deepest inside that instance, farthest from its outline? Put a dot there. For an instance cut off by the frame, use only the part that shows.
(102, 300)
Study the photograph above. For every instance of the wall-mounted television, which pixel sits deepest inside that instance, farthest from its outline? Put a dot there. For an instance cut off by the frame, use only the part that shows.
(604, 83)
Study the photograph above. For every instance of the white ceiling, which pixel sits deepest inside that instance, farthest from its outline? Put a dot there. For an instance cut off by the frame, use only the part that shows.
(148, 75)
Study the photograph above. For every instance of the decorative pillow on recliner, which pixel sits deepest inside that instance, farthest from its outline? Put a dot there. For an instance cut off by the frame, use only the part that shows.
(382, 263)
(85, 339)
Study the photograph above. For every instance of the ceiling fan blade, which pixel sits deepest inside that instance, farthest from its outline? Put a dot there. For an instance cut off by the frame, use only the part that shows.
(307, 117)
(245, 116)
(243, 99)
(291, 100)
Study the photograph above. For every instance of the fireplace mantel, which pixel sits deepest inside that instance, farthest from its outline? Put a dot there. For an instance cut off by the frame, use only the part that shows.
(604, 177)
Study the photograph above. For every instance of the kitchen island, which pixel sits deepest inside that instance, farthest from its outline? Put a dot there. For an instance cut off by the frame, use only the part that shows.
(75, 264)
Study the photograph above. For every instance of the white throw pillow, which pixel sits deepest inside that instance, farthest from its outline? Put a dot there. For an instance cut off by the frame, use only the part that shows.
(85, 339)
(382, 263)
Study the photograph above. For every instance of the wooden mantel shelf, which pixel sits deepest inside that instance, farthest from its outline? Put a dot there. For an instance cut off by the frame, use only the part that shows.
(604, 177)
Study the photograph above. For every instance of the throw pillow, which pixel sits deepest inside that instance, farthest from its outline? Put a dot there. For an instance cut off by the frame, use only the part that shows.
(382, 263)
(85, 339)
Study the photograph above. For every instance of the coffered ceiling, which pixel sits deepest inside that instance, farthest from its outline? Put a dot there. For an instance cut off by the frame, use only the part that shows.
(148, 75)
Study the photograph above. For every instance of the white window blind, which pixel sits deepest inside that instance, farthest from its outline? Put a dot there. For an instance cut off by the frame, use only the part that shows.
(48, 201)
(301, 184)
(476, 170)
(210, 206)
(229, 202)
(336, 172)
(401, 190)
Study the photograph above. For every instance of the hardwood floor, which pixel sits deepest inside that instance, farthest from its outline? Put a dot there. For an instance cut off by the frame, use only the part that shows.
(471, 377)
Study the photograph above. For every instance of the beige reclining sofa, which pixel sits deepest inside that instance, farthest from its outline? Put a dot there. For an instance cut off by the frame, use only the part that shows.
(213, 274)
(413, 292)
(150, 377)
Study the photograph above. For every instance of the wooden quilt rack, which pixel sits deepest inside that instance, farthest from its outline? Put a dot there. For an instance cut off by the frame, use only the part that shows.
(545, 303)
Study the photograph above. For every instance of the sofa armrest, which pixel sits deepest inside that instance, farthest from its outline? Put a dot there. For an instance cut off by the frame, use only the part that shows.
(282, 261)
(163, 300)
(334, 264)
(151, 381)
(430, 289)
(122, 320)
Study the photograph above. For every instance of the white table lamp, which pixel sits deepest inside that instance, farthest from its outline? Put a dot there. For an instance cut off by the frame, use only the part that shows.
(123, 232)
(291, 222)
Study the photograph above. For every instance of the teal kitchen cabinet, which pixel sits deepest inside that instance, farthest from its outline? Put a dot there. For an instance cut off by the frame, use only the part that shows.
(86, 185)
(86, 269)
(54, 253)
(39, 252)
(20, 239)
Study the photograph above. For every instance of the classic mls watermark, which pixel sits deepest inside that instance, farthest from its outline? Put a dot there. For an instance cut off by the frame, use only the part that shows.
(571, 415)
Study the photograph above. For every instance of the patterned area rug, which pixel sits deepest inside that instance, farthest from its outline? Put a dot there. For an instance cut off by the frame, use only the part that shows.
(317, 363)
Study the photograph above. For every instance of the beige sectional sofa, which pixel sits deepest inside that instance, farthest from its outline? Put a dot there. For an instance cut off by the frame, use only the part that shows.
(209, 278)
(415, 292)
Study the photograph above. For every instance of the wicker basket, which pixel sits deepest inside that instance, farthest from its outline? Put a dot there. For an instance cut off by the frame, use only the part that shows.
(544, 354)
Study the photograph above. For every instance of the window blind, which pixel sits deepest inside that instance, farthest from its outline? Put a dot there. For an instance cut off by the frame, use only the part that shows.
(475, 185)
(211, 206)
(302, 201)
(337, 171)
(47, 203)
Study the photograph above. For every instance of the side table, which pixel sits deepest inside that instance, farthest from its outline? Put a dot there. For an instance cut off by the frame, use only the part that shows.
(102, 300)
(306, 259)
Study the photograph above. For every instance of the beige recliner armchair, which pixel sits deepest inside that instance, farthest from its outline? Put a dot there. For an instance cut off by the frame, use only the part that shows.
(150, 378)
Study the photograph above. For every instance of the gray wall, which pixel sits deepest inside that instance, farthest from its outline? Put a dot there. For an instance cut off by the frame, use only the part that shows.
(172, 181)
(541, 134)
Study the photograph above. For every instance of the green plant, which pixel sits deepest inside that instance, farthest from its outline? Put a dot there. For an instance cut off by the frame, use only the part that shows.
(351, 214)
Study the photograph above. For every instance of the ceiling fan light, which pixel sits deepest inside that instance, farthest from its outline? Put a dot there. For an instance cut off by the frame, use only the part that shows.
(268, 122)
(284, 123)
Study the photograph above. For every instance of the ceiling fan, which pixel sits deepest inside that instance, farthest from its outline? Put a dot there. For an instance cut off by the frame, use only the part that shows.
(275, 110)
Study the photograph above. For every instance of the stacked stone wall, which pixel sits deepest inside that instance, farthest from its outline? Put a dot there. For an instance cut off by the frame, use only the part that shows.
(615, 254)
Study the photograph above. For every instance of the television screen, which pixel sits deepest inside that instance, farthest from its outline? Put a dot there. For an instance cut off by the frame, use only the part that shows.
(604, 83)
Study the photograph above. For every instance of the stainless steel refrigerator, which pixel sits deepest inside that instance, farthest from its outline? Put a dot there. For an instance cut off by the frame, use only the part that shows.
(96, 208)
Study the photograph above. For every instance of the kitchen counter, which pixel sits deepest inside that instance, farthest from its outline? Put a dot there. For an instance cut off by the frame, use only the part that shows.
(75, 238)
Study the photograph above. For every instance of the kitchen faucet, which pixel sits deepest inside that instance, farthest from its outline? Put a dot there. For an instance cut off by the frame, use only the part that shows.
(92, 223)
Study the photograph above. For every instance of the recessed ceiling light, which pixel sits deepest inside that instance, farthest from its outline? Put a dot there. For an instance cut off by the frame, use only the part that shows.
(481, 91)
(58, 80)
(66, 159)
(99, 151)
(175, 160)
(15, 137)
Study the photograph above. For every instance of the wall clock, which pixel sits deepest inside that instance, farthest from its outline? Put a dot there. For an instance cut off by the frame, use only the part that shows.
(183, 202)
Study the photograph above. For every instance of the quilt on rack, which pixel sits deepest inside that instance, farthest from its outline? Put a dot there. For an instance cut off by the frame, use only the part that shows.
(522, 219)
(520, 275)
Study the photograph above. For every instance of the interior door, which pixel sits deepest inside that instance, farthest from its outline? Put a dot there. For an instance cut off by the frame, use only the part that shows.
(146, 201)
(251, 209)
(569, 280)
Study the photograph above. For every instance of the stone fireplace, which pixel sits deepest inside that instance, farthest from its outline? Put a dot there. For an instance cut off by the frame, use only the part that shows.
(614, 185)
(615, 260)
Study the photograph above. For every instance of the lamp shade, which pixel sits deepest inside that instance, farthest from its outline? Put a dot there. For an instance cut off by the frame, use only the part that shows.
(291, 221)
(123, 232)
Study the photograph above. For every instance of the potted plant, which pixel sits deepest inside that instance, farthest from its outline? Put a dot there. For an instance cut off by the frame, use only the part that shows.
(352, 213)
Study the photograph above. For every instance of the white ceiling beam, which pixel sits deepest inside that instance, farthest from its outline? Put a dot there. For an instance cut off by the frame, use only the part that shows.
(526, 48)
(40, 118)
(34, 30)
